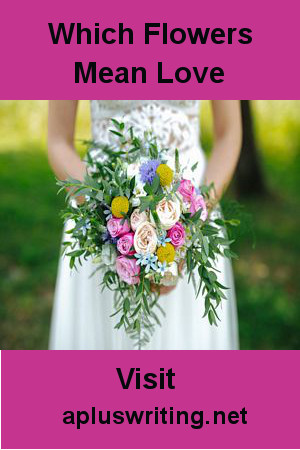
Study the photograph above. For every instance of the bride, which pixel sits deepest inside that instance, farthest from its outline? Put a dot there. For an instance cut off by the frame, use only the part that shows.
(81, 311)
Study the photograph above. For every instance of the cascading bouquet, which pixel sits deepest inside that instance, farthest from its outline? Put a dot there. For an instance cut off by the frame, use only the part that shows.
(141, 221)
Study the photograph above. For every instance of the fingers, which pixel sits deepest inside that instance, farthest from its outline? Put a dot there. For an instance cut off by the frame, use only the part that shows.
(166, 290)
(180, 265)
(154, 287)
(162, 290)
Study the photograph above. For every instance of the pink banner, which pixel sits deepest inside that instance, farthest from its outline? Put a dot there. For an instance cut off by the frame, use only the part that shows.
(240, 50)
(226, 399)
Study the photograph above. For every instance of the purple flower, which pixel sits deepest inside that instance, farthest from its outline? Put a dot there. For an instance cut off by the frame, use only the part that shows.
(148, 170)
(106, 237)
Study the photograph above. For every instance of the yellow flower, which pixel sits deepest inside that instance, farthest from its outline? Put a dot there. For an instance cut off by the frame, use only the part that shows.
(119, 207)
(165, 174)
(166, 253)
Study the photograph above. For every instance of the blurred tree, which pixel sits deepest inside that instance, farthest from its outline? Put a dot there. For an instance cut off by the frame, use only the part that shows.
(249, 180)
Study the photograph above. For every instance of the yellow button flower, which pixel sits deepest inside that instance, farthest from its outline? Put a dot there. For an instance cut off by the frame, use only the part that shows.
(165, 174)
(119, 207)
(166, 253)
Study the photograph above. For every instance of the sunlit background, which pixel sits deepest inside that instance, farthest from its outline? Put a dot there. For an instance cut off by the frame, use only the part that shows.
(267, 272)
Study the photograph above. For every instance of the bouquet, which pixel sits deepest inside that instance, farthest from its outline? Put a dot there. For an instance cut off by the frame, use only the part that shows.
(143, 223)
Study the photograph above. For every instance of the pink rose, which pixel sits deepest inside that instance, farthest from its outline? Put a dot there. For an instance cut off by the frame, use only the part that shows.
(177, 235)
(128, 270)
(186, 189)
(125, 244)
(198, 202)
(116, 228)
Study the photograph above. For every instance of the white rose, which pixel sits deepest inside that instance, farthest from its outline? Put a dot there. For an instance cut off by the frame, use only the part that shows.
(171, 275)
(138, 190)
(137, 218)
(145, 239)
(133, 170)
(168, 212)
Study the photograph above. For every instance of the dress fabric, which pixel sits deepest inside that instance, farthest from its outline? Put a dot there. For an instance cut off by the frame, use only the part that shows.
(80, 318)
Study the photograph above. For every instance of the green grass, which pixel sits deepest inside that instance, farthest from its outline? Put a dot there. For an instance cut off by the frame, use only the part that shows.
(267, 276)
(30, 235)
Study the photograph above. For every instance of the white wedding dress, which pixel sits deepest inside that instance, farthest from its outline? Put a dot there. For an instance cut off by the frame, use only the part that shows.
(81, 312)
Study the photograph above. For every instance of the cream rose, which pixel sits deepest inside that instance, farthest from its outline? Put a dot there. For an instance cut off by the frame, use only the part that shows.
(137, 218)
(145, 238)
(168, 212)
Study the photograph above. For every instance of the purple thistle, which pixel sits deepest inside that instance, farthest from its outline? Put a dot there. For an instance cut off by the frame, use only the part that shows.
(148, 170)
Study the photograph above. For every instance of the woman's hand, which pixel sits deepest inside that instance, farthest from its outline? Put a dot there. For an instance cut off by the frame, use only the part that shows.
(164, 290)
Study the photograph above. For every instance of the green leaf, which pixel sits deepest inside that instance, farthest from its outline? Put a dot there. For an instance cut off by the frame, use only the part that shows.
(146, 305)
(72, 262)
(189, 260)
(177, 163)
(233, 222)
(126, 305)
(211, 317)
(194, 167)
(137, 325)
(132, 183)
(220, 222)
(212, 276)
(206, 245)
(209, 230)
(116, 122)
(116, 133)
(196, 216)
(145, 202)
(155, 184)
(206, 305)
(148, 188)
(76, 253)
(230, 254)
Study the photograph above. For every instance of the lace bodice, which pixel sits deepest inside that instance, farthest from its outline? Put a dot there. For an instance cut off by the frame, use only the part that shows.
(174, 122)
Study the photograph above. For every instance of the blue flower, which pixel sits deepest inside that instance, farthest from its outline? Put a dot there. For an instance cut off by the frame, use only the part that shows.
(162, 239)
(148, 170)
(161, 268)
(86, 227)
(108, 214)
(149, 261)
(139, 257)
(106, 237)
